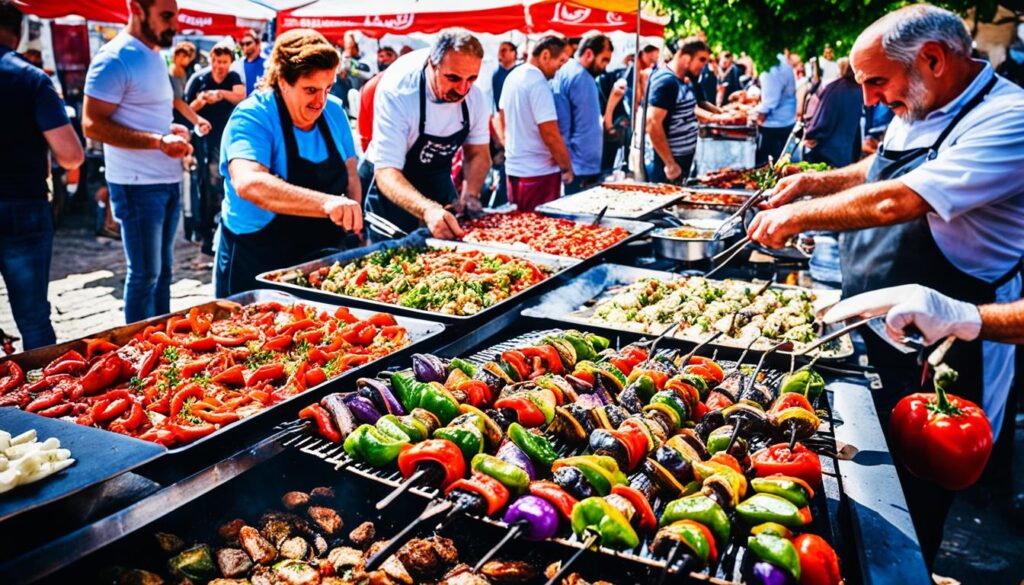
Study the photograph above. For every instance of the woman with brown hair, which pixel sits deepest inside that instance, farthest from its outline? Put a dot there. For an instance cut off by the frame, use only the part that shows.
(291, 187)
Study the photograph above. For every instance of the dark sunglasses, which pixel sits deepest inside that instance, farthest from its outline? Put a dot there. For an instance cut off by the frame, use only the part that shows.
(247, 43)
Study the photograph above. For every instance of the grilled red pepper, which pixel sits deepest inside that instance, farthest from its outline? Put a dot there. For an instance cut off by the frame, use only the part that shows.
(178, 400)
(345, 315)
(264, 373)
(359, 333)
(103, 374)
(233, 376)
(819, 564)
(940, 437)
(324, 424)
(548, 354)
(95, 347)
(279, 343)
(11, 376)
(517, 361)
(201, 344)
(199, 321)
(71, 362)
(648, 521)
(194, 367)
(135, 417)
(189, 433)
(527, 413)
(800, 462)
(491, 490)
(553, 493)
(111, 405)
(62, 409)
(45, 400)
(441, 451)
(315, 376)
(381, 320)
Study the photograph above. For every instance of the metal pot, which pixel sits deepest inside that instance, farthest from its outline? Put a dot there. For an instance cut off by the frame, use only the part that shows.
(691, 249)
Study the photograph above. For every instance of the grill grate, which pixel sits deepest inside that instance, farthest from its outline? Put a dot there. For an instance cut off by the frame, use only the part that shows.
(725, 572)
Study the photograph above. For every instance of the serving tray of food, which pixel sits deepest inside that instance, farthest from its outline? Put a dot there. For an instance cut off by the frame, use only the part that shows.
(189, 377)
(570, 235)
(748, 315)
(623, 200)
(713, 198)
(437, 279)
(757, 178)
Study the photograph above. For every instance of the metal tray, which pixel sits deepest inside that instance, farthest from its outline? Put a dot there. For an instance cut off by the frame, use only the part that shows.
(636, 229)
(99, 455)
(568, 305)
(557, 264)
(650, 203)
(419, 331)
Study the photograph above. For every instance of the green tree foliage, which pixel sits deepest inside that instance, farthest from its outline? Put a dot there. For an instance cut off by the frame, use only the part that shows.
(762, 28)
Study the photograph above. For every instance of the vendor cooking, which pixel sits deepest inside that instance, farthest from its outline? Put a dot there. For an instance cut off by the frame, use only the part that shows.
(289, 162)
(941, 204)
(425, 108)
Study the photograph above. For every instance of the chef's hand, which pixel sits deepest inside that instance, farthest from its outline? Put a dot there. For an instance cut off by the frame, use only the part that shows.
(773, 228)
(790, 188)
(344, 212)
(935, 315)
(469, 204)
(442, 224)
(673, 171)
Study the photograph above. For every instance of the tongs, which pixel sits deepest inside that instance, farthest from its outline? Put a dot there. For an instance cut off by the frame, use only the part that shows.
(600, 216)
(384, 226)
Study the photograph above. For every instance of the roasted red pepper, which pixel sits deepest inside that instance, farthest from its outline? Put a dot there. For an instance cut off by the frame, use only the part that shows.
(45, 400)
(111, 405)
(71, 362)
(201, 344)
(199, 321)
(553, 493)
(233, 376)
(279, 343)
(345, 315)
(546, 353)
(800, 462)
(194, 367)
(517, 360)
(527, 413)
(103, 374)
(381, 320)
(135, 417)
(940, 437)
(491, 490)
(359, 333)
(324, 424)
(440, 451)
(264, 373)
(11, 376)
(95, 347)
(189, 433)
(648, 521)
(63, 409)
(315, 376)
(178, 400)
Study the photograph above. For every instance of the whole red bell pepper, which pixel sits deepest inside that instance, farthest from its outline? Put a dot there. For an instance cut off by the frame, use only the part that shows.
(940, 437)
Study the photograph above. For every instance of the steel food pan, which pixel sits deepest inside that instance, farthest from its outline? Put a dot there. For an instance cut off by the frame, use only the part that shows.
(419, 331)
(636, 229)
(556, 264)
(633, 204)
(572, 303)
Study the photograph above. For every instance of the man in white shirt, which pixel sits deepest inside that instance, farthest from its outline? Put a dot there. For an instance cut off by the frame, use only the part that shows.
(425, 108)
(128, 105)
(828, 67)
(941, 204)
(536, 159)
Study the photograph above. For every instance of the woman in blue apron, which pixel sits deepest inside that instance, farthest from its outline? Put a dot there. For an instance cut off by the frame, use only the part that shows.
(428, 167)
(907, 253)
(286, 239)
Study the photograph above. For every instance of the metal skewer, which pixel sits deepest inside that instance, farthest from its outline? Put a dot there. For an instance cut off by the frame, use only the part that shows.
(837, 334)
(402, 488)
(589, 542)
(432, 511)
(514, 531)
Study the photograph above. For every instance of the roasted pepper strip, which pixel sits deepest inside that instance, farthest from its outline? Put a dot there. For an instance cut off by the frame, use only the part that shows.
(647, 521)
(368, 444)
(491, 490)
(324, 424)
(103, 374)
(440, 451)
(512, 477)
(71, 362)
(554, 494)
(536, 446)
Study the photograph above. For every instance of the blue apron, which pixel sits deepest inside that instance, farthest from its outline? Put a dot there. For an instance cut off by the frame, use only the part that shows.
(428, 167)
(287, 239)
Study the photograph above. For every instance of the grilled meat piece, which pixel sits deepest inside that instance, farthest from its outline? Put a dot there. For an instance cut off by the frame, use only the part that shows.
(259, 548)
(322, 494)
(571, 578)
(295, 547)
(428, 558)
(294, 500)
(261, 576)
(396, 571)
(229, 531)
(293, 572)
(169, 543)
(509, 571)
(275, 530)
(363, 534)
(463, 574)
(380, 578)
(233, 562)
(326, 518)
(344, 558)
(320, 546)
(229, 582)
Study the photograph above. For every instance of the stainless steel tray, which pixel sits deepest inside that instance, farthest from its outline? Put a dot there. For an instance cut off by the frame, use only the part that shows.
(570, 304)
(419, 331)
(636, 229)
(556, 264)
(575, 204)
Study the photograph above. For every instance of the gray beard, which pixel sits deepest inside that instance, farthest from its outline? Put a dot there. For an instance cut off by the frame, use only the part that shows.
(916, 93)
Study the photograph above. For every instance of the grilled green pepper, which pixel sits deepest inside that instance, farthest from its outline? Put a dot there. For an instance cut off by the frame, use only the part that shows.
(763, 507)
(510, 476)
(600, 470)
(585, 350)
(594, 514)
(806, 382)
(792, 489)
(536, 446)
(432, 396)
(195, 563)
(467, 437)
(412, 427)
(460, 364)
(719, 439)
(368, 444)
(699, 508)
(696, 537)
(776, 550)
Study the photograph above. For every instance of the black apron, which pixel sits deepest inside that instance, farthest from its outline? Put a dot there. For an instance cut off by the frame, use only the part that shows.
(906, 253)
(287, 239)
(428, 167)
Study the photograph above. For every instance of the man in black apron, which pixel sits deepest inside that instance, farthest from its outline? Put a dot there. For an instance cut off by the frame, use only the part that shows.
(420, 191)
(904, 249)
(308, 222)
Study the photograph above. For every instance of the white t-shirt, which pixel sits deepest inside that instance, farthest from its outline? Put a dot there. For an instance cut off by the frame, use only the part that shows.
(527, 100)
(396, 113)
(128, 73)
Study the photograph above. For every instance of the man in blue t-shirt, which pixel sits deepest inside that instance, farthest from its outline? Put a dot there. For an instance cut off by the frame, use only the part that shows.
(673, 116)
(214, 92)
(250, 66)
(579, 110)
(34, 123)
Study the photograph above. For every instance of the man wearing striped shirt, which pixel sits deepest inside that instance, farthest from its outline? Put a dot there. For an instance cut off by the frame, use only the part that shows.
(672, 112)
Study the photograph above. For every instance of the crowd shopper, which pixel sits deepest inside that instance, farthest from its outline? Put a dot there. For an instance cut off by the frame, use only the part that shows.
(427, 107)
(128, 105)
(776, 114)
(578, 107)
(36, 125)
(252, 64)
(923, 210)
(728, 78)
(536, 158)
(215, 91)
(833, 135)
(291, 188)
(385, 57)
(507, 52)
(183, 56)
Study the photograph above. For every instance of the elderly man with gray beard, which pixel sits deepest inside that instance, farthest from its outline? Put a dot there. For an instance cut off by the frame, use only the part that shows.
(941, 205)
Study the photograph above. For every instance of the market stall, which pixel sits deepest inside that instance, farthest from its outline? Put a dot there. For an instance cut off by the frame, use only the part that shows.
(204, 17)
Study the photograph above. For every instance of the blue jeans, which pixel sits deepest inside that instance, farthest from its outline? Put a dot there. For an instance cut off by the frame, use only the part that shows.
(149, 218)
(26, 244)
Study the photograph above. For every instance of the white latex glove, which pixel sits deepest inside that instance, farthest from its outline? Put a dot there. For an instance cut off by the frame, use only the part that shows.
(935, 315)
(869, 304)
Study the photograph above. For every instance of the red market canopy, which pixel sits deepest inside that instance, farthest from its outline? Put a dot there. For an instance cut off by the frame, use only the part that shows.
(335, 17)
(207, 17)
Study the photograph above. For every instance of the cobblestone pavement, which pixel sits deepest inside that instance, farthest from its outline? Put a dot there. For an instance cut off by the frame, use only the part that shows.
(87, 283)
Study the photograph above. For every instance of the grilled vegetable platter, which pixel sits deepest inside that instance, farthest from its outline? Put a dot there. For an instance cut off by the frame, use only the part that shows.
(549, 235)
(670, 458)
